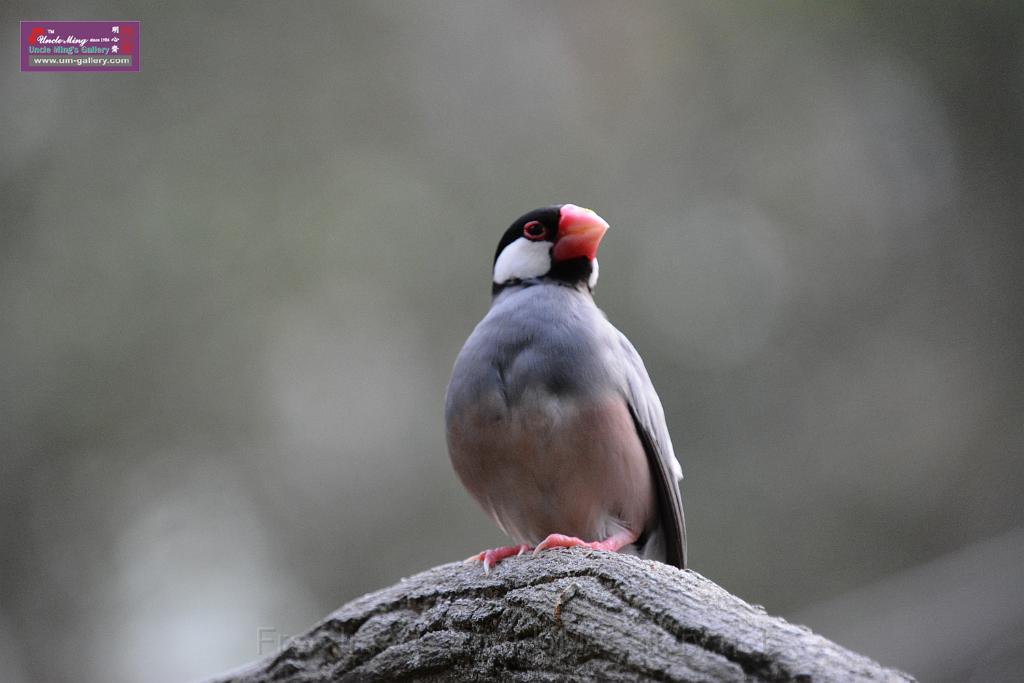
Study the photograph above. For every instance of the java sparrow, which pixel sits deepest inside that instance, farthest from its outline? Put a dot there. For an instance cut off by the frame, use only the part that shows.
(553, 424)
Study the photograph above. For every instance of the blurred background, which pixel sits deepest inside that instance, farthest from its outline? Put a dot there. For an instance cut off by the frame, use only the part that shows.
(232, 287)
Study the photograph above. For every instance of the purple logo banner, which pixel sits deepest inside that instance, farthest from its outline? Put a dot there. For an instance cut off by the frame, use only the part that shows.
(80, 46)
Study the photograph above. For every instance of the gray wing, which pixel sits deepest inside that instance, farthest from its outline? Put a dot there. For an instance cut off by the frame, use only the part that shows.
(649, 417)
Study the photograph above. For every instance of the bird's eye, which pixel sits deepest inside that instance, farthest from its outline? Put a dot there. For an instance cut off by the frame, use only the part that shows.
(535, 230)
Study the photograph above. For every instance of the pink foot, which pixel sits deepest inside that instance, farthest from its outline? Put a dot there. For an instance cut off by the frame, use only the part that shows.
(489, 558)
(612, 543)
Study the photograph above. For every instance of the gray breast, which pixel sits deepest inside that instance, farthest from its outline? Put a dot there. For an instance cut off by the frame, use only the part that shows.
(544, 338)
(538, 429)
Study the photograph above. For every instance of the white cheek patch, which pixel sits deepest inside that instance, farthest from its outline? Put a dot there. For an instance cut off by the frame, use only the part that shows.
(592, 281)
(522, 260)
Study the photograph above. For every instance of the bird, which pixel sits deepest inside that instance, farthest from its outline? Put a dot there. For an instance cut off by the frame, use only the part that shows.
(552, 421)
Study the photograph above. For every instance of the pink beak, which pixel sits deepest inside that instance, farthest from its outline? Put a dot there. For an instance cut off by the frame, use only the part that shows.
(579, 233)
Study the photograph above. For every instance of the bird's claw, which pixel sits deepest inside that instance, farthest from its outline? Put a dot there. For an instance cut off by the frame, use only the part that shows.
(562, 541)
(489, 558)
(613, 543)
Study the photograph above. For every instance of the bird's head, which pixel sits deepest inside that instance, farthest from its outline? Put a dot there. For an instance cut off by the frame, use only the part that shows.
(557, 243)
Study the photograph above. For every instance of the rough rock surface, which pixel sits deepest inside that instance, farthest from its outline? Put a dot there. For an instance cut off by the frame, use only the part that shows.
(562, 615)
